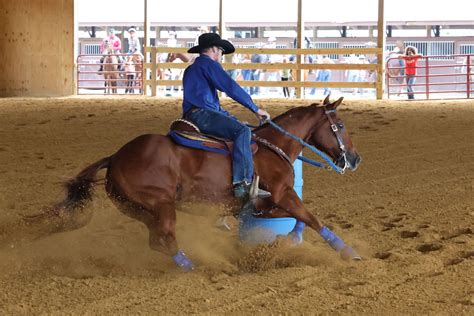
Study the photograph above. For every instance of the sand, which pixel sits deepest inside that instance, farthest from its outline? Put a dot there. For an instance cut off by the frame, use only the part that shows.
(408, 210)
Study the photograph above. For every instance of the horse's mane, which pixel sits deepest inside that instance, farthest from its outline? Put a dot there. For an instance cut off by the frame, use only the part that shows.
(296, 112)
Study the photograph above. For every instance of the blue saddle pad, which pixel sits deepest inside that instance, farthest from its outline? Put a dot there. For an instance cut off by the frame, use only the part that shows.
(197, 144)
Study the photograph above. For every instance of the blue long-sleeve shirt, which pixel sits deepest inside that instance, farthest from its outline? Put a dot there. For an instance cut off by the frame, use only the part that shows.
(203, 78)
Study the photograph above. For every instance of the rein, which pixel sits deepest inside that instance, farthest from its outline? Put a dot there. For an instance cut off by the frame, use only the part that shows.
(321, 154)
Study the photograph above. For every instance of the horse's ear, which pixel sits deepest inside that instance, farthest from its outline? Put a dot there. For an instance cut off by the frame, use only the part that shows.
(326, 100)
(335, 104)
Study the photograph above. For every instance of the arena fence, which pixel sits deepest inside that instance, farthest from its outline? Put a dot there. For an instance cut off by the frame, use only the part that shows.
(156, 65)
(438, 77)
(91, 81)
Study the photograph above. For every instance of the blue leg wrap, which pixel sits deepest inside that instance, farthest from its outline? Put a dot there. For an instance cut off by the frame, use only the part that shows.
(182, 261)
(297, 232)
(332, 239)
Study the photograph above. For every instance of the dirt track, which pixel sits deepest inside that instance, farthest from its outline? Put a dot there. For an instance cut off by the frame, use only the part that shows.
(408, 210)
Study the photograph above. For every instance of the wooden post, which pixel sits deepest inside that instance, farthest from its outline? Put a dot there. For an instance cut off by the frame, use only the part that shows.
(145, 71)
(153, 70)
(380, 85)
(221, 26)
(299, 45)
(222, 31)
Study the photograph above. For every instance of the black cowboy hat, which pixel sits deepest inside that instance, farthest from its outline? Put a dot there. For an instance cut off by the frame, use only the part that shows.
(207, 40)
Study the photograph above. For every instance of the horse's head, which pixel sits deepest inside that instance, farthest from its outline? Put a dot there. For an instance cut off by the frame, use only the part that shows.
(332, 137)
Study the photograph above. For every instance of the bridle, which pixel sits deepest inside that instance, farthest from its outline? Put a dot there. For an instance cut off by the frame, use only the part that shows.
(337, 132)
(330, 164)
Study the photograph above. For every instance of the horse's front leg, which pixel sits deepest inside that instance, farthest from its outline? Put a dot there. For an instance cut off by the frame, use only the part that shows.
(291, 203)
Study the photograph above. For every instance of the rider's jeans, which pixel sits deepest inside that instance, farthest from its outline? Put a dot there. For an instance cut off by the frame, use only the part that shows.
(221, 125)
(410, 82)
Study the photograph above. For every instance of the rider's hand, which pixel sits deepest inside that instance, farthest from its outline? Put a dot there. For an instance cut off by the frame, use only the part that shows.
(262, 115)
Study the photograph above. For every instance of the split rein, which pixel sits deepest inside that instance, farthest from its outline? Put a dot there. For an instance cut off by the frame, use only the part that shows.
(324, 156)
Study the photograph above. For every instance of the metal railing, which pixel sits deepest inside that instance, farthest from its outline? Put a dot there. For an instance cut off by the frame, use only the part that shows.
(437, 76)
(90, 80)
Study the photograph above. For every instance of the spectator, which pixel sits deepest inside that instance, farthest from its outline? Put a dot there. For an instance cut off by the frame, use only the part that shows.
(394, 69)
(255, 73)
(364, 74)
(133, 41)
(353, 75)
(202, 29)
(110, 41)
(246, 73)
(269, 74)
(411, 58)
(174, 74)
(231, 59)
(324, 75)
(113, 40)
(130, 73)
(172, 39)
(285, 76)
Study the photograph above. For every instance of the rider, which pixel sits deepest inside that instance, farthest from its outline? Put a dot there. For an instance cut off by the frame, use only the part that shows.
(201, 106)
(114, 42)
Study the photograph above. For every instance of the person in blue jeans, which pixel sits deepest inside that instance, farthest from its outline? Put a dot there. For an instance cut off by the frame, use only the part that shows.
(201, 105)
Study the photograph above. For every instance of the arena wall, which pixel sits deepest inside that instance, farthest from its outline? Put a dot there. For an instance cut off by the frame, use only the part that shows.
(37, 48)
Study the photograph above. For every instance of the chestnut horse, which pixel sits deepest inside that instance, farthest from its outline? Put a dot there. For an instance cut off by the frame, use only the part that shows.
(150, 174)
(111, 68)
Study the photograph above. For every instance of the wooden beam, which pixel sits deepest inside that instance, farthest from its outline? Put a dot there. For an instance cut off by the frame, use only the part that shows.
(304, 84)
(153, 72)
(286, 51)
(299, 44)
(380, 54)
(274, 66)
(146, 31)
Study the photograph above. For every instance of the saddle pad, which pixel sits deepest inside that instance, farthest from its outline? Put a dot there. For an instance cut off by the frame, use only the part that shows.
(202, 142)
(198, 142)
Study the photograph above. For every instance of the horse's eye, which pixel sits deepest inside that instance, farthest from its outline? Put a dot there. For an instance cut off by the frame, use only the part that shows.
(340, 125)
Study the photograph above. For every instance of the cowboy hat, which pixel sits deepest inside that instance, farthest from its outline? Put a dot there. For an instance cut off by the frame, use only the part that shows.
(207, 40)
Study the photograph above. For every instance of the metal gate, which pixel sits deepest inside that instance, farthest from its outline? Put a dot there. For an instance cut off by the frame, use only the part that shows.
(91, 81)
(437, 77)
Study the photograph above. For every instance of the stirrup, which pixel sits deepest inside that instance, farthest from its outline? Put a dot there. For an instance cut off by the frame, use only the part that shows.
(246, 190)
(262, 194)
(256, 192)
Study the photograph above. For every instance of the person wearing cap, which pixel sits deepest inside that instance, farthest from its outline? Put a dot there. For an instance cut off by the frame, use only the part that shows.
(110, 41)
(133, 42)
(201, 106)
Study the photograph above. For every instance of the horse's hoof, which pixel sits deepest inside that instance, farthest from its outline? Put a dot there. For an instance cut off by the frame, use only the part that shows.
(187, 268)
(350, 254)
(296, 238)
(183, 262)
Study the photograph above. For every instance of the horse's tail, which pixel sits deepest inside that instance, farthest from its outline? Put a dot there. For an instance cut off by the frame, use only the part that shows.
(80, 188)
(70, 213)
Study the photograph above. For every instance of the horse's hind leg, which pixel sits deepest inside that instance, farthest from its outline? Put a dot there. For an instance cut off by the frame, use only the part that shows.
(162, 229)
(161, 223)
